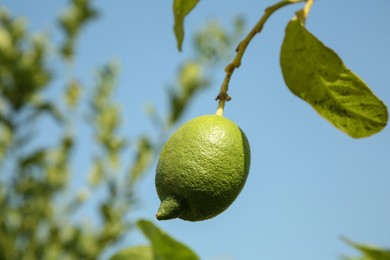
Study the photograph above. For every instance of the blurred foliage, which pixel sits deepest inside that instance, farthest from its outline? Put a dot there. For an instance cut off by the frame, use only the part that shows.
(23, 72)
(39, 205)
(214, 44)
(106, 115)
(73, 93)
(73, 19)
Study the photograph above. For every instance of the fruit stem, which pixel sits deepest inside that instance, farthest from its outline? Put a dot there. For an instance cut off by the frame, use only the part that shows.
(221, 106)
(170, 208)
(241, 48)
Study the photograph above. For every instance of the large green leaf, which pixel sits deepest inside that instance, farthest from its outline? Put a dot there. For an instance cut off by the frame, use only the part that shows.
(316, 74)
(164, 246)
(369, 252)
(181, 8)
(134, 253)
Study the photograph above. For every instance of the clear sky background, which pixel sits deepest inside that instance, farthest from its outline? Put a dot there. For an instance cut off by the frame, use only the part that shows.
(309, 183)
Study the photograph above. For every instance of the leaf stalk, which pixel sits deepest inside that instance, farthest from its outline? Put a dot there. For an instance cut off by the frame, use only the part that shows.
(304, 13)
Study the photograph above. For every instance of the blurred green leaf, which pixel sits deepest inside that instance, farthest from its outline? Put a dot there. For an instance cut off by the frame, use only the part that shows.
(370, 252)
(190, 80)
(71, 22)
(106, 82)
(23, 70)
(190, 76)
(316, 74)
(164, 246)
(5, 41)
(46, 107)
(142, 160)
(35, 158)
(96, 173)
(213, 43)
(6, 139)
(72, 93)
(181, 8)
(134, 253)
(106, 114)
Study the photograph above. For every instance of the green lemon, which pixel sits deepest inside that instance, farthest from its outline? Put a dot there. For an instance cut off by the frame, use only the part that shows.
(202, 169)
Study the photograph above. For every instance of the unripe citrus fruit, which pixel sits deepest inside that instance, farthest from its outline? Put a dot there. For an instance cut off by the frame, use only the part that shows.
(202, 169)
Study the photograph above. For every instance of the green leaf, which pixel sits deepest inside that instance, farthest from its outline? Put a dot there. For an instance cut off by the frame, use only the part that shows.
(316, 74)
(369, 252)
(164, 246)
(181, 8)
(134, 253)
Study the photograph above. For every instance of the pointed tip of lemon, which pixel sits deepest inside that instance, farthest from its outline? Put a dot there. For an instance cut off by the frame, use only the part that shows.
(170, 208)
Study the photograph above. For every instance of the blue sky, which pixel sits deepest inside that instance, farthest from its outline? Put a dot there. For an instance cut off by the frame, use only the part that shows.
(309, 183)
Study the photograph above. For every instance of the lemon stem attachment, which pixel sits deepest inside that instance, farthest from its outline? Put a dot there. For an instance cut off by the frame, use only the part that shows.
(170, 208)
(221, 106)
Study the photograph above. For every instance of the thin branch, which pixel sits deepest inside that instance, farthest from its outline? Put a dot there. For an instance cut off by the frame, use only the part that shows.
(223, 96)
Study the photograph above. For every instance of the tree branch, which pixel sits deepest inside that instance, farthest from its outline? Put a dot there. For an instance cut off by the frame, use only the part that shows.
(223, 95)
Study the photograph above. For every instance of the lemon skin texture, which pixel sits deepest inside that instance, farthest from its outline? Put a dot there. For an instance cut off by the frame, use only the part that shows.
(202, 169)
